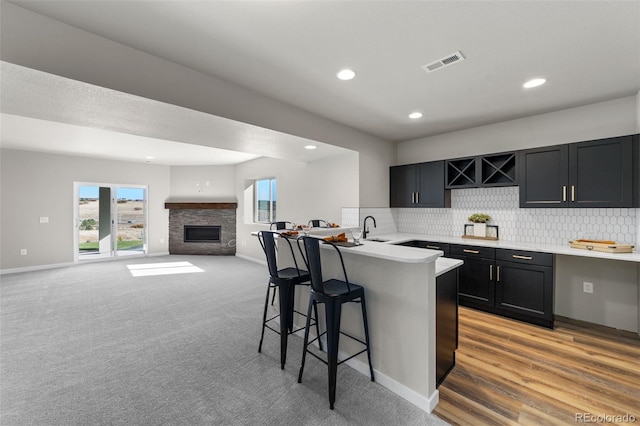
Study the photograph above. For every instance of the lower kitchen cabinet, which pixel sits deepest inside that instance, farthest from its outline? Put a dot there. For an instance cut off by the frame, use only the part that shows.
(512, 283)
(446, 323)
(476, 288)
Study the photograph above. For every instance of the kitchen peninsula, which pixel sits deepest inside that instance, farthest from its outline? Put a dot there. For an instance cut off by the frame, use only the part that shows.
(400, 285)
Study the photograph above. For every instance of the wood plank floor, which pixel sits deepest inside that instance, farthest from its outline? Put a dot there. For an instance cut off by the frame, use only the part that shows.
(511, 373)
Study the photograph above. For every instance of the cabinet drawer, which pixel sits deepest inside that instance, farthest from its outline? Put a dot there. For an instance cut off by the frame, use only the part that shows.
(434, 245)
(527, 257)
(473, 251)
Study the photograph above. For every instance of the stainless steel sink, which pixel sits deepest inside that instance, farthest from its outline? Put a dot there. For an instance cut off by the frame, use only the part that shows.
(376, 240)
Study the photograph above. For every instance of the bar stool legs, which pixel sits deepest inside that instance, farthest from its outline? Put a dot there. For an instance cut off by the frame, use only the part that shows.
(333, 314)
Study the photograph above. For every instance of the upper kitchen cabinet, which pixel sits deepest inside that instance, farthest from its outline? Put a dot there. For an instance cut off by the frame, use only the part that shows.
(418, 185)
(462, 173)
(596, 173)
(482, 171)
(543, 176)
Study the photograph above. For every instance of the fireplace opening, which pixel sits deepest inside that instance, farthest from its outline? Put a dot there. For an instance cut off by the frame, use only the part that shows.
(201, 234)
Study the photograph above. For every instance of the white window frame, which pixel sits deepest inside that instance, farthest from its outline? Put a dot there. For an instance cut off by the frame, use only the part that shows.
(272, 199)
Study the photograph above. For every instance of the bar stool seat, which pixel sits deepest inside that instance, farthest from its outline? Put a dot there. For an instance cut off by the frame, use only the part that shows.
(333, 293)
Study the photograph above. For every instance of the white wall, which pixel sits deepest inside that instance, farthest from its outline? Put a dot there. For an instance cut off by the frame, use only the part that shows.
(613, 118)
(34, 41)
(36, 184)
(199, 183)
(614, 301)
(306, 191)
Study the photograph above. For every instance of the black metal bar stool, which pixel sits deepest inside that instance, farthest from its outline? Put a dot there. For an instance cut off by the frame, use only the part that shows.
(333, 293)
(317, 223)
(285, 280)
(282, 225)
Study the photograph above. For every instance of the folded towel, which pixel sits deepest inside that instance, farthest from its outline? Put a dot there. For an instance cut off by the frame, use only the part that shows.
(340, 238)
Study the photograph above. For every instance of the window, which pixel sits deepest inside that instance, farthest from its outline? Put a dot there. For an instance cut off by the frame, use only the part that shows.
(265, 200)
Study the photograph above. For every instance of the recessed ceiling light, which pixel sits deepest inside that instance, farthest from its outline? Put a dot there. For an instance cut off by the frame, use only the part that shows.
(310, 147)
(346, 74)
(534, 83)
(149, 158)
(415, 115)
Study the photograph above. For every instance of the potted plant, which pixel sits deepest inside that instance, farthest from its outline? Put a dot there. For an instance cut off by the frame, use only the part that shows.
(479, 221)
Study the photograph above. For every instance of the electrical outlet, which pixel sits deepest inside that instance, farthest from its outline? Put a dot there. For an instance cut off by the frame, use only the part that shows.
(44, 219)
(161, 240)
(23, 252)
(587, 287)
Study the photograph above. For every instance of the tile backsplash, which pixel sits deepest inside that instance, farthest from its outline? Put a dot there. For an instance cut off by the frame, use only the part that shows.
(544, 225)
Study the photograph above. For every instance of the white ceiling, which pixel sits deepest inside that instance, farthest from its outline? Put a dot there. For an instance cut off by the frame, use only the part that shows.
(48, 113)
(589, 51)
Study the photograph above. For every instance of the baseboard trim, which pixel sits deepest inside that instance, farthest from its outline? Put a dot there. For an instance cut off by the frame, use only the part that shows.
(424, 403)
(35, 268)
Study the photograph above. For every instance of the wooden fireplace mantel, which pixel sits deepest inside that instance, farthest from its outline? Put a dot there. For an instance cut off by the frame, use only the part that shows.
(200, 206)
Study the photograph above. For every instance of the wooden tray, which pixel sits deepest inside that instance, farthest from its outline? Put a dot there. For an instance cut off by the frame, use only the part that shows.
(473, 237)
(606, 247)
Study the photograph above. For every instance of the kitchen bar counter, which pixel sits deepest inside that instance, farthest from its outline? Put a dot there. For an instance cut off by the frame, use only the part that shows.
(400, 285)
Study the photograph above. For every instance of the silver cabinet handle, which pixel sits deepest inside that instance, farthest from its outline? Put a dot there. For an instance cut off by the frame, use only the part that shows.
(413, 198)
(498, 274)
(517, 256)
(417, 198)
(470, 251)
(564, 192)
(490, 272)
(573, 192)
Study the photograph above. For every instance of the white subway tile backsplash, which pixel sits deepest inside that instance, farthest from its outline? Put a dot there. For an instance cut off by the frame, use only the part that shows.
(543, 225)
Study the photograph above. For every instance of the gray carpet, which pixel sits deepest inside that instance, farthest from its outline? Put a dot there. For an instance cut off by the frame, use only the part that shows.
(90, 344)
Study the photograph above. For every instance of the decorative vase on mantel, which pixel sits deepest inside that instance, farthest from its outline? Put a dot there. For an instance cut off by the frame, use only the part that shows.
(479, 221)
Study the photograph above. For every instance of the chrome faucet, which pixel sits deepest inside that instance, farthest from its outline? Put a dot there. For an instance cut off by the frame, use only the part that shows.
(365, 230)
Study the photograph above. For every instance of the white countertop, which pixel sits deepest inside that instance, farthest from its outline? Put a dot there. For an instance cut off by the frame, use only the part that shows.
(446, 264)
(392, 252)
(514, 245)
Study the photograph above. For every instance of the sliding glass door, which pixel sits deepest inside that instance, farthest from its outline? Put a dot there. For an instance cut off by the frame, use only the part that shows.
(111, 220)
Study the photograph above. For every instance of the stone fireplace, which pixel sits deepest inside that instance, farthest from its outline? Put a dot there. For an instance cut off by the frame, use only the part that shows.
(202, 228)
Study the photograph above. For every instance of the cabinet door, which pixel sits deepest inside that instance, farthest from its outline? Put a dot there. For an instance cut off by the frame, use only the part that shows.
(476, 287)
(402, 186)
(525, 289)
(446, 323)
(544, 174)
(600, 173)
(430, 191)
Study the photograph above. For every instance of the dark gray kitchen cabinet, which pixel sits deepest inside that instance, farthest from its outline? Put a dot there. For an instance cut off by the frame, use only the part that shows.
(543, 176)
(511, 283)
(482, 171)
(596, 173)
(446, 323)
(418, 185)
(524, 286)
(431, 245)
(476, 288)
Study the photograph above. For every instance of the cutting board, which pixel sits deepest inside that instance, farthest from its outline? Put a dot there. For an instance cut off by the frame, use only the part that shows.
(602, 246)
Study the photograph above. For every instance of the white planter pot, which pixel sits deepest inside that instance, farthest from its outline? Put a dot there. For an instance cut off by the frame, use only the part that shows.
(479, 229)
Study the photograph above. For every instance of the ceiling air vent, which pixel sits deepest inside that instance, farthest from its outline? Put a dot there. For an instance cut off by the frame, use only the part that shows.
(444, 62)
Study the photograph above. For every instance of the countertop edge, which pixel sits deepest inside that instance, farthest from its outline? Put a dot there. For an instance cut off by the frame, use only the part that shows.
(512, 245)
